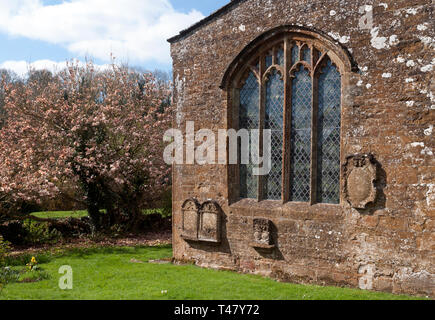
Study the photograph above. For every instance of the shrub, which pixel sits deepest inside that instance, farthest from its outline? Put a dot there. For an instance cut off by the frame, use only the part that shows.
(155, 222)
(14, 232)
(4, 249)
(40, 233)
(72, 227)
(29, 232)
(166, 203)
(8, 275)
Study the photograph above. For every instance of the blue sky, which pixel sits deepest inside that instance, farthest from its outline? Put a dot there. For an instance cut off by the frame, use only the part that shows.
(205, 6)
(47, 33)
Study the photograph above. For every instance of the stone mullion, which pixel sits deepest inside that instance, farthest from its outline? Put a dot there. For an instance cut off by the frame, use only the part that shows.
(274, 51)
(287, 123)
(260, 183)
(234, 169)
(314, 133)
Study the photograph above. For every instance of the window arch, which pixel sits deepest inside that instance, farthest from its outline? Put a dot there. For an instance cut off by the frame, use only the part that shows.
(292, 85)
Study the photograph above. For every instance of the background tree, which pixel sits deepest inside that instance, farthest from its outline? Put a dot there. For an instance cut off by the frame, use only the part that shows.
(98, 134)
(7, 77)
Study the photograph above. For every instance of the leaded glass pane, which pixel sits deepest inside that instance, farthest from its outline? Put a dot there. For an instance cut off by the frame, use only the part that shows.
(249, 119)
(269, 61)
(301, 136)
(317, 55)
(257, 66)
(329, 120)
(274, 122)
(306, 55)
(295, 54)
(280, 57)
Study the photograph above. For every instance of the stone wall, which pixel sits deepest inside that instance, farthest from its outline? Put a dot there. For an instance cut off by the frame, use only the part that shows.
(389, 113)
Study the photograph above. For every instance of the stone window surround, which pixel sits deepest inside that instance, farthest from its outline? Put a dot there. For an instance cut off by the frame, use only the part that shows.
(234, 78)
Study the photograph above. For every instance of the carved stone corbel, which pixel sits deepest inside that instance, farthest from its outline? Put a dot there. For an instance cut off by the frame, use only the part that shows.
(360, 180)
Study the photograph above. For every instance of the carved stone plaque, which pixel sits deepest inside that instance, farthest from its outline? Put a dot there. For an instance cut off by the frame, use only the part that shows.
(201, 223)
(210, 222)
(262, 231)
(360, 178)
(190, 219)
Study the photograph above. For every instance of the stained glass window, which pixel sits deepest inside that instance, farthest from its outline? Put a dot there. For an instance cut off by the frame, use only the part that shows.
(305, 160)
(329, 119)
(274, 122)
(300, 162)
(249, 119)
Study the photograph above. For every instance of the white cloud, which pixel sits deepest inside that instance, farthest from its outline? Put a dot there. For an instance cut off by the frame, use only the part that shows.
(22, 67)
(133, 30)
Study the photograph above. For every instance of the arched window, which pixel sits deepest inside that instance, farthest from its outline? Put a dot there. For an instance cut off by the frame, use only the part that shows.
(292, 86)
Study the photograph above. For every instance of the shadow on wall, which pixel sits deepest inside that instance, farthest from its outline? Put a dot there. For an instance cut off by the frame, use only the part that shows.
(272, 251)
(380, 184)
(204, 226)
(222, 247)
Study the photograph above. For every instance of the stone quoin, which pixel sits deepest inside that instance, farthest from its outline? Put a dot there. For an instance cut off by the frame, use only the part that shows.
(347, 89)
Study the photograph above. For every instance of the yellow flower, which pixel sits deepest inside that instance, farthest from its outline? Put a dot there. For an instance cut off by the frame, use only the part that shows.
(33, 260)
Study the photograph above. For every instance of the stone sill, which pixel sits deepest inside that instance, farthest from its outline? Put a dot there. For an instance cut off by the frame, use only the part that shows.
(199, 240)
(262, 246)
(279, 207)
(278, 203)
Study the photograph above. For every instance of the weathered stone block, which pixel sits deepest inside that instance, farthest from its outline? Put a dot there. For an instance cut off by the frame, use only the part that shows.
(190, 219)
(201, 223)
(360, 176)
(210, 222)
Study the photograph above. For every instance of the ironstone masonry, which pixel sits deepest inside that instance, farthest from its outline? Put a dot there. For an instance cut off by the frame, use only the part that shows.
(382, 234)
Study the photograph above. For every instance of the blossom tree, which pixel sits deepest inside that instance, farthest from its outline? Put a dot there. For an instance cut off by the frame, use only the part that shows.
(95, 134)
(7, 77)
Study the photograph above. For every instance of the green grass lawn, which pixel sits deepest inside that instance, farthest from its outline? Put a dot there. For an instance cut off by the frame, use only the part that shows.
(109, 273)
(60, 214)
(78, 213)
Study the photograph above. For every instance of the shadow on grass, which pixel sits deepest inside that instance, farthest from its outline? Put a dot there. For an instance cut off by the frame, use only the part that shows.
(45, 257)
(83, 252)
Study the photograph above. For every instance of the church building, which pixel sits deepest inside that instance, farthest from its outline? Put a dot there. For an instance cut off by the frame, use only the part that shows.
(345, 90)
